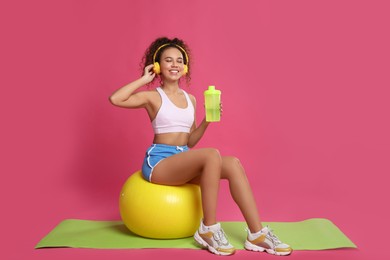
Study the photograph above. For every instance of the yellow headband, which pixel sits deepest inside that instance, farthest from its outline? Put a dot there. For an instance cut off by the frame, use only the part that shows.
(174, 45)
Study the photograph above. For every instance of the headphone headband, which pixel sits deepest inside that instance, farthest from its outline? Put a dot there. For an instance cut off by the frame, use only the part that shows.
(173, 45)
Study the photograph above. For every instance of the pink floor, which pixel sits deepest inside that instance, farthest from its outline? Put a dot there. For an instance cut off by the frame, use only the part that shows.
(188, 254)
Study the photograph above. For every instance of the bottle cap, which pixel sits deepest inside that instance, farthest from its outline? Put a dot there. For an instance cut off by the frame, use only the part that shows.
(212, 91)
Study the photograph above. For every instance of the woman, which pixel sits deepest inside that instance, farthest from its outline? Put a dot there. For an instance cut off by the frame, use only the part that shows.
(170, 161)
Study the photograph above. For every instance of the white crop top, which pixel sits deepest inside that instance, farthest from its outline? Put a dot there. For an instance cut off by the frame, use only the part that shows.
(172, 119)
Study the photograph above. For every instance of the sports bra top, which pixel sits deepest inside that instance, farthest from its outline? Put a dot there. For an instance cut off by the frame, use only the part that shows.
(173, 119)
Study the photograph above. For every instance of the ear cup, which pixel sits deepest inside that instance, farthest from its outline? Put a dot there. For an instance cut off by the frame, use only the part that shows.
(156, 68)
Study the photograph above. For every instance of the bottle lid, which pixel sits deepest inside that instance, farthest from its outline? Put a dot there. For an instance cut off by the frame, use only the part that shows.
(211, 90)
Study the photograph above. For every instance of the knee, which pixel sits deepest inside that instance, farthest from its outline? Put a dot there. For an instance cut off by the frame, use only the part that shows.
(234, 162)
(213, 154)
(233, 168)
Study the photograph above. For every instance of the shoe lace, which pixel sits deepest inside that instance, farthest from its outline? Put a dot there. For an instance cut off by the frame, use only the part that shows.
(221, 238)
(275, 240)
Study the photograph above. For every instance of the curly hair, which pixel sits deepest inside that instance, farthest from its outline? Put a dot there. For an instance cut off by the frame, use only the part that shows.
(147, 59)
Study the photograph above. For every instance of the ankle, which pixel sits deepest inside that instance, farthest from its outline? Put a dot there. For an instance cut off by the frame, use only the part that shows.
(253, 229)
(205, 228)
(256, 234)
(209, 223)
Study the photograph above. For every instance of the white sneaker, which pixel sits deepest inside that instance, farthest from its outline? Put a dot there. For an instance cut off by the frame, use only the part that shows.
(265, 240)
(215, 239)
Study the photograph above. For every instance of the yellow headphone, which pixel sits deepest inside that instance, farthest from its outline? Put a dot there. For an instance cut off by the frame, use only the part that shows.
(156, 67)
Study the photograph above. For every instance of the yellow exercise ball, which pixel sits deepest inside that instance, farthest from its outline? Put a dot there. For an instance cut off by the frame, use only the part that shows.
(160, 211)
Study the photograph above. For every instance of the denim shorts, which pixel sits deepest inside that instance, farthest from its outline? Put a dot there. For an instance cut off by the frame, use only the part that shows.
(156, 153)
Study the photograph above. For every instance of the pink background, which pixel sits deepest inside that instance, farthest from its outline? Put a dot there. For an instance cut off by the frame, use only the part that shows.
(305, 89)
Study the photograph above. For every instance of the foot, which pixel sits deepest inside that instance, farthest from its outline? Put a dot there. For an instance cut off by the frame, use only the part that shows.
(265, 240)
(214, 239)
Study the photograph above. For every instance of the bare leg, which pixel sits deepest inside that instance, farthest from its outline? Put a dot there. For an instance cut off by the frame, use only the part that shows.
(203, 165)
(241, 191)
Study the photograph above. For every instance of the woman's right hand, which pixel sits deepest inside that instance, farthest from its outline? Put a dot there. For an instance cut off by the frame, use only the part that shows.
(125, 96)
(149, 73)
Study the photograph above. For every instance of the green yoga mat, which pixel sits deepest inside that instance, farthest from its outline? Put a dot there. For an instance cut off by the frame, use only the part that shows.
(311, 234)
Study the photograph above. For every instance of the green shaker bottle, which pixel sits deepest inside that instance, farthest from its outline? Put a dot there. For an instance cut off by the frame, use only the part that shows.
(212, 99)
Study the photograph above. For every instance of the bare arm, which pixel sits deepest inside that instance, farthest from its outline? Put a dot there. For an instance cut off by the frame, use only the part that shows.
(197, 133)
(125, 96)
